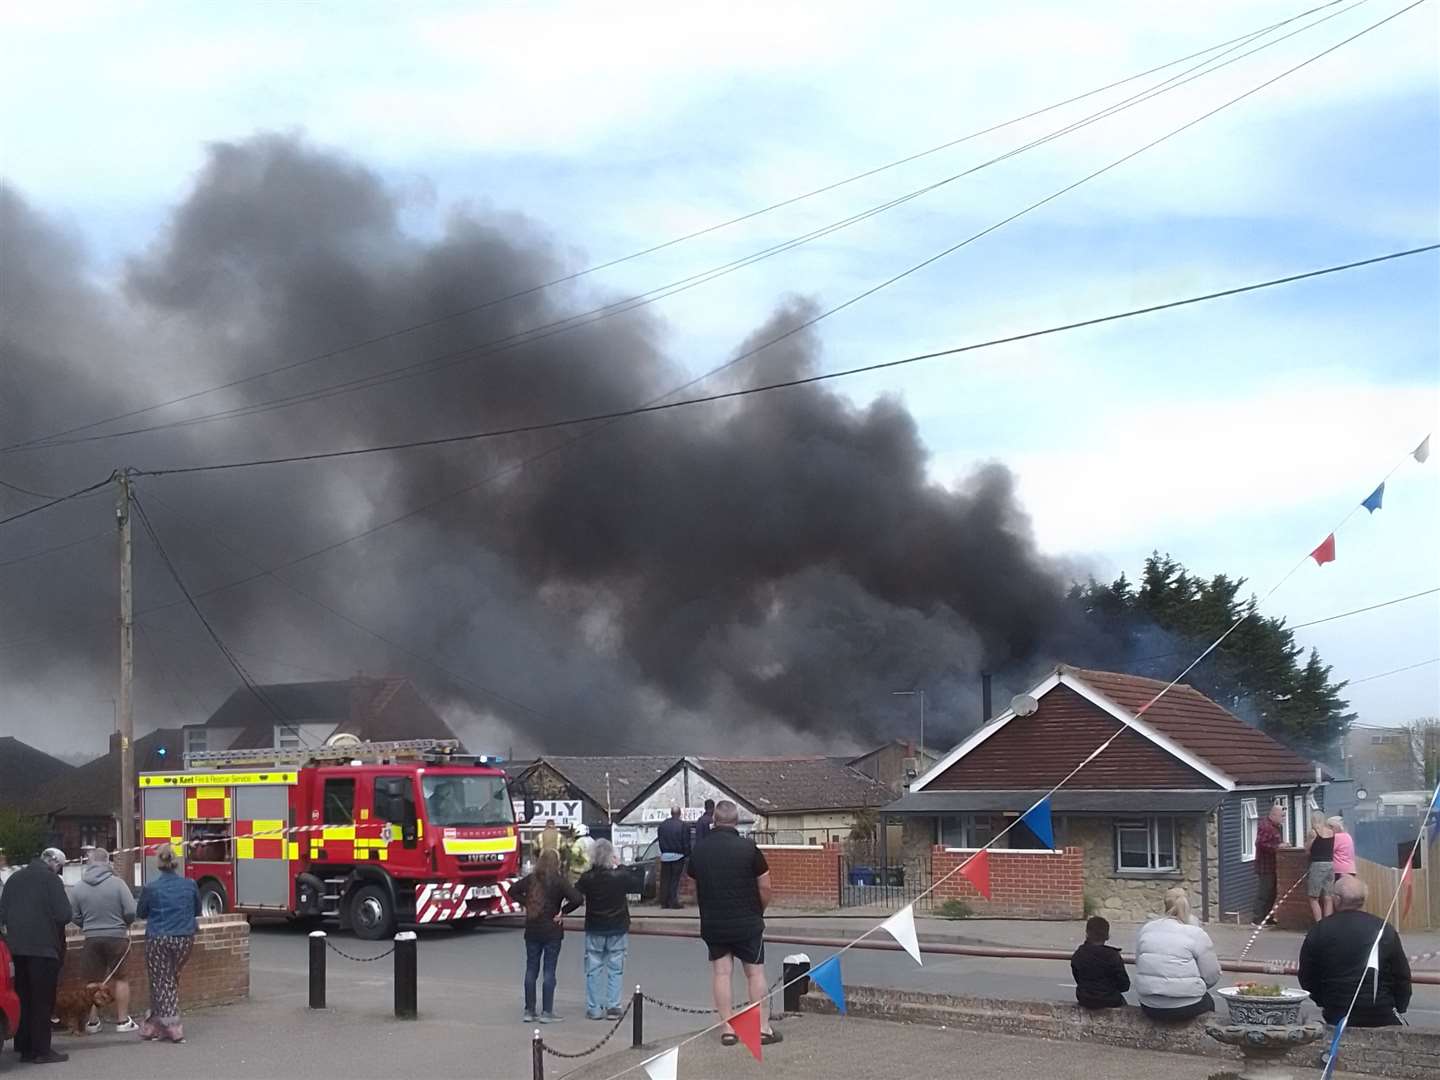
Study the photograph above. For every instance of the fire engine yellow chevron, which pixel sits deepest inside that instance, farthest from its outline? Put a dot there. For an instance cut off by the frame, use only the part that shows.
(457, 846)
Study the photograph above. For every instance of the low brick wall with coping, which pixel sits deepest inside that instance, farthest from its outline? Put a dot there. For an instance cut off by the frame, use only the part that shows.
(1023, 884)
(1398, 1053)
(804, 875)
(217, 973)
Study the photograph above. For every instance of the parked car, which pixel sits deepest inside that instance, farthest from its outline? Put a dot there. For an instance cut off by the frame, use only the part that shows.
(645, 869)
(9, 1001)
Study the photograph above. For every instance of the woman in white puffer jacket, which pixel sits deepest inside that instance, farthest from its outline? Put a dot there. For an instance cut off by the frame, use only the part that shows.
(1175, 964)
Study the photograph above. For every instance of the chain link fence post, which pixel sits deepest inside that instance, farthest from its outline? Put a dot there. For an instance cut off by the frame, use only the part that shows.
(317, 969)
(537, 1056)
(637, 1005)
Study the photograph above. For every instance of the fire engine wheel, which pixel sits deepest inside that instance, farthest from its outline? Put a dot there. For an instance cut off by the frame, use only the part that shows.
(372, 915)
(212, 898)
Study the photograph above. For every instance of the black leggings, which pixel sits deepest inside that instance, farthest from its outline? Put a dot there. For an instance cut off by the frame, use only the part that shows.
(1184, 1012)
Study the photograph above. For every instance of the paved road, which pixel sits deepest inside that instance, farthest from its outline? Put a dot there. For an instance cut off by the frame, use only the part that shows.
(470, 1013)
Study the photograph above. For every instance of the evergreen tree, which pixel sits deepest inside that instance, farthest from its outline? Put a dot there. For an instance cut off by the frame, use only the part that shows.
(1257, 672)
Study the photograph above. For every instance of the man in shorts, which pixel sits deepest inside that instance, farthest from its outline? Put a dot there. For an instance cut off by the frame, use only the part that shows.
(104, 908)
(732, 886)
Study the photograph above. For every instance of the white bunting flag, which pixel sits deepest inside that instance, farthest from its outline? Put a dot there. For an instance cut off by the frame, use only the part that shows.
(1422, 452)
(901, 926)
(1373, 964)
(663, 1066)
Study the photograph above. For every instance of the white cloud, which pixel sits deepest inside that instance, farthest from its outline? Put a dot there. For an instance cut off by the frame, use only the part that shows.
(1139, 470)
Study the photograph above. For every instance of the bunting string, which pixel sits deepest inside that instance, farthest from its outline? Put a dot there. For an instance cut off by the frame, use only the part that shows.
(1039, 820)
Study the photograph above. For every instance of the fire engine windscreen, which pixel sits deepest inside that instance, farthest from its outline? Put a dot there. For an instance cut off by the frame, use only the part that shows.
(467, 800)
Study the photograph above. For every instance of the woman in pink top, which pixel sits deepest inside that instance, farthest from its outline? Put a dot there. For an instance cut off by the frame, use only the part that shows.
(1344, 849)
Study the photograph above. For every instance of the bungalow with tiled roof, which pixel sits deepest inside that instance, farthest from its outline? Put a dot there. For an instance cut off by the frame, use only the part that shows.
(1174, 800)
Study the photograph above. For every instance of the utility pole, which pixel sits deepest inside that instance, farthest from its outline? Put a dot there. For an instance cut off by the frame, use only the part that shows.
(125, 715)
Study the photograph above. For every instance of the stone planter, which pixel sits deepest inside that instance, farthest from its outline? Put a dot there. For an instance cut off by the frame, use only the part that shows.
(1265, 1029)
(1263, 1011)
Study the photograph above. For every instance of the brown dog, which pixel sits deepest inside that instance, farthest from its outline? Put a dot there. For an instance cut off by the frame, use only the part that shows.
(73, 1006)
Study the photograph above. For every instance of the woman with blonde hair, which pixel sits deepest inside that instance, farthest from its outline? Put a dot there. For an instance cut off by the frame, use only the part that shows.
(1175, 964)
(1344, 859)
(169, 904)
(1320, 878)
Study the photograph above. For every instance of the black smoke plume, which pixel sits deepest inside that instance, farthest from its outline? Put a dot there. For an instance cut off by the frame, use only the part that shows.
(747, 577)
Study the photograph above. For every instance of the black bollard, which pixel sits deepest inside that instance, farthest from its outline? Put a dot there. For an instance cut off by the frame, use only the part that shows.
(537, 1057)
(637, 1019)
(317, 969)
(405, 974)
(795, 974)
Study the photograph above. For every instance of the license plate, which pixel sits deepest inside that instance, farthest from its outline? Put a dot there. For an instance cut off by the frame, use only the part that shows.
(483, 892)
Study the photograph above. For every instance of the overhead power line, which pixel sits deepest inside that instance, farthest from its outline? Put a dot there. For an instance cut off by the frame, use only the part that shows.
(230, 657)
(659, 402)
(540, 332)
(1303, 625)
(563, 279)
(1361, 611)
(355, 623)
(52, 550)
(784, 384)
(1394, 671)
(76, 494)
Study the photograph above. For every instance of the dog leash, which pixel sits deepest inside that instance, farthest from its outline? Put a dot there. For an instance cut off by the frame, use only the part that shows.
(119, 962)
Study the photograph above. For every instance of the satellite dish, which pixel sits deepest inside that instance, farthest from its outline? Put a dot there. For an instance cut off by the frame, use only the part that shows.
(1023, 704)
(343, 738)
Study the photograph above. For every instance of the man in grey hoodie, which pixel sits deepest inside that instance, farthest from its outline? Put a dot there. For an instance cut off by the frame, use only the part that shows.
(104, 909)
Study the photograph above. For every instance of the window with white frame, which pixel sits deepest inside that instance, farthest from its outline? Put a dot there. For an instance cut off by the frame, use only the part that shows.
(287, 738)
(968, 830)
(195, 740)
(1249, 823)
(1146, 845)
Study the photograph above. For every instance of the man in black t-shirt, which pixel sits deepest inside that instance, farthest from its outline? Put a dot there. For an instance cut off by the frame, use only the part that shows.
(732, 886)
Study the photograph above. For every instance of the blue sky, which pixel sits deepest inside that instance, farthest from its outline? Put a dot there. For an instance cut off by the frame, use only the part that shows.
(1232, 435)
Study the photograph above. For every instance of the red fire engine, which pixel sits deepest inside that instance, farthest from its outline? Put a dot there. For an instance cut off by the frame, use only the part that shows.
(370, 834)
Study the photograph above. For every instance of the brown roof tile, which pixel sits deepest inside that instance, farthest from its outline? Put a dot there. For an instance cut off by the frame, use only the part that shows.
(780, 785)
(1190, 719)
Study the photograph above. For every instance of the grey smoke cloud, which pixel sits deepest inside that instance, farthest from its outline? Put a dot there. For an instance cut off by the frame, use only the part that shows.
(741, 577)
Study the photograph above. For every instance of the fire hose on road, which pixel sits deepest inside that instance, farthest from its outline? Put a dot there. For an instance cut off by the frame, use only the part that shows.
(1003, 952)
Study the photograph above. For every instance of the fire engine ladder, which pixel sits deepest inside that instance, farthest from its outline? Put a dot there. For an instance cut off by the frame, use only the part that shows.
(372, 752)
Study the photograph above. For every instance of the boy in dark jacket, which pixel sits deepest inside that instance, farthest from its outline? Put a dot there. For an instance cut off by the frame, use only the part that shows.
(1100, 977)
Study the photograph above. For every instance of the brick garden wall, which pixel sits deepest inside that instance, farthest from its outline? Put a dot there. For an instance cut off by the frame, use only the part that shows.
(1023, 885)
(804, 876)
(217, 973)
(1294, 911)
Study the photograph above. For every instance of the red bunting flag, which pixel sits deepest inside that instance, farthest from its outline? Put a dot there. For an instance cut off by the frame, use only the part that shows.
(746, 1025)
(977, 872)
(1325, 552)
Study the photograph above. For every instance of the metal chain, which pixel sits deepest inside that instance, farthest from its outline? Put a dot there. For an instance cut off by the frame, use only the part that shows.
(358, 959)
(678, 1008)
(703, 1012)
(586, 1053)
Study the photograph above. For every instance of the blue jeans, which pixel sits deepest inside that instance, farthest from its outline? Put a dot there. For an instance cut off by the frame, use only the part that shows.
(535, 952)
(604, 968)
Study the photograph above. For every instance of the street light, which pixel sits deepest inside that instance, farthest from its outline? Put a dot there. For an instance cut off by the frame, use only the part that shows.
(921, 695)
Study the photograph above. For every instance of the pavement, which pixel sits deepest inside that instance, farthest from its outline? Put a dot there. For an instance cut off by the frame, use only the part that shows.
(847, 1048)
(470, 1026)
